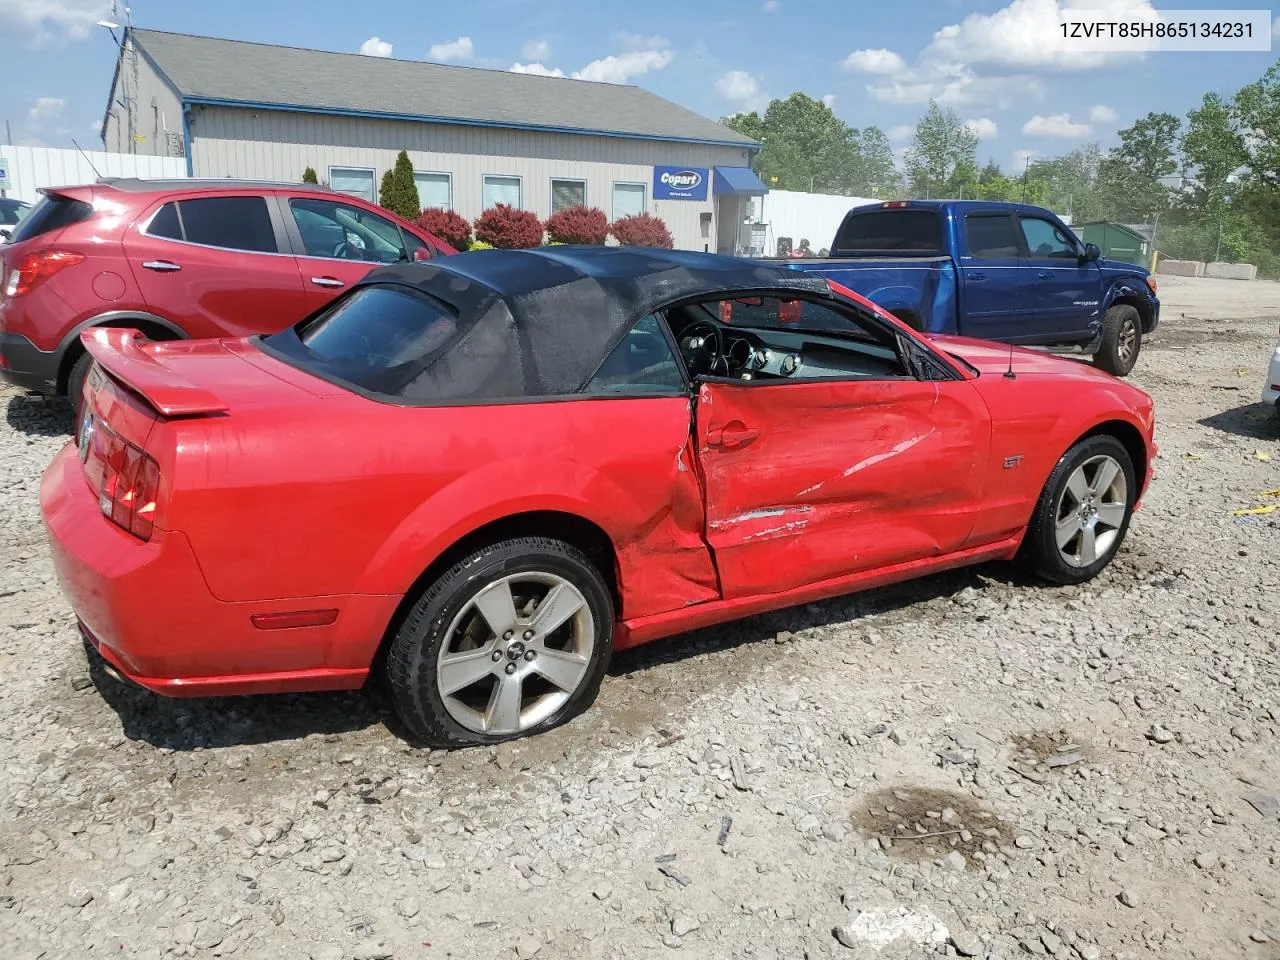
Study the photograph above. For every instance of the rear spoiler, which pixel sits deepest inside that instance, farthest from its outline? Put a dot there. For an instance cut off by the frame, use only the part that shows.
(121, 353)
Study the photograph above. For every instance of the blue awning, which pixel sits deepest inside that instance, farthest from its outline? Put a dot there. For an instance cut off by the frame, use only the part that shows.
(740, 181)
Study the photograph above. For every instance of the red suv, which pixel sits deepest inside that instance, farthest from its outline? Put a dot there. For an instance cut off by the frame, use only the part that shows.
(177, 259)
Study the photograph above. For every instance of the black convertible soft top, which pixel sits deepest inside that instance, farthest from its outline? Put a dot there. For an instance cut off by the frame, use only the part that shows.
(539, 323)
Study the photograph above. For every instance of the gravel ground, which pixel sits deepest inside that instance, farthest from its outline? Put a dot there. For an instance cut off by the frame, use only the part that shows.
(1082, 772)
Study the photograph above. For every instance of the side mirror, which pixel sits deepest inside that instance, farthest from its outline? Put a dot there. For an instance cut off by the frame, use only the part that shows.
(1091, 252)
(422, 253)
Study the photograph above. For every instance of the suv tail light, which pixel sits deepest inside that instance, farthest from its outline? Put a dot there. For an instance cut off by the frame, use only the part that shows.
(34, 268)
(126, 480)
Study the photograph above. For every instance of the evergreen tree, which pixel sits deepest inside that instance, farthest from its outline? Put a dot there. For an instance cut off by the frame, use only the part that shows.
(309, 175)
(399, 192)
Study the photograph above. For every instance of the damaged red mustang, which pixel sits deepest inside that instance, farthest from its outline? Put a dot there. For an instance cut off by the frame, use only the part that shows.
(479, 477)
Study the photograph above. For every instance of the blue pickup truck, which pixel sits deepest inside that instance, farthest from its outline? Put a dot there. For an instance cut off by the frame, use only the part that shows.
(996, 271)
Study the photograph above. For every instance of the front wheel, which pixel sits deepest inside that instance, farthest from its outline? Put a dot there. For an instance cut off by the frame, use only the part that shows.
(510, 641)
(1121, 340)
(1083, 513)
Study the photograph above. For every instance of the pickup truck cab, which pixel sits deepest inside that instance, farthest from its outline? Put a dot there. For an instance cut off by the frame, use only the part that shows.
(995, 271)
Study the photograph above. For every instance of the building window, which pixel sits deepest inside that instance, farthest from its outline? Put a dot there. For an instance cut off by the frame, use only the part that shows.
(434, 190)
(568, 193)
(628, 199)
(502, 190)
(356, 181)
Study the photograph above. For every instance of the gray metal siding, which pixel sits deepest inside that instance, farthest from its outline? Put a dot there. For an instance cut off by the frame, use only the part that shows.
(156, 113)
(279, 145)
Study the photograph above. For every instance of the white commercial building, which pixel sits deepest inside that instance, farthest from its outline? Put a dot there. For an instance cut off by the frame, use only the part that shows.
(476, 137)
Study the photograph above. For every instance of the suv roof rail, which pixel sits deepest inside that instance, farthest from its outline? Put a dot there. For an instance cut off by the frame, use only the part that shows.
(139, 185)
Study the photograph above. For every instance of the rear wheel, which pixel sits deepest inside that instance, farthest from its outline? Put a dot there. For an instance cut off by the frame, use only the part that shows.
(75, 389)
(511, 640)
(1083, 513)
(1121, 340)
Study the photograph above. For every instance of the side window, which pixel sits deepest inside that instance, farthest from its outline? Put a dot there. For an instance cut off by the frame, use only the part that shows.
(336, 230)
(990, 238)
(1047, 242)
(236, 223)
(641, 363)
(166, 223)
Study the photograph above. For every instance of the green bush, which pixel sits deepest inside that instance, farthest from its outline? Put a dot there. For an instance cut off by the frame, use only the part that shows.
(309, 175)
(481, 245)
(399, 192)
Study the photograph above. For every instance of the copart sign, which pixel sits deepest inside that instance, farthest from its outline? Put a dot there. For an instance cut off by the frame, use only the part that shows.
(680, 183)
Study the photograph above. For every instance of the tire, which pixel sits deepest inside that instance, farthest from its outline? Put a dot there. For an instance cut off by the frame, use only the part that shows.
(75, 389)
(1121, 340)
(445, 628)
(1067, 561)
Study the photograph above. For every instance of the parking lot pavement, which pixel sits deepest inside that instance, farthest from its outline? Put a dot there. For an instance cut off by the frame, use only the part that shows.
(1083, 772)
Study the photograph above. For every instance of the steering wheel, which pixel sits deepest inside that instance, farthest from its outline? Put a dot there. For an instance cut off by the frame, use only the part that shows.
(703, 350)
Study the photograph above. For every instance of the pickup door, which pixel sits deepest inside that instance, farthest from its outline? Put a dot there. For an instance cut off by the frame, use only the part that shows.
(1065, 288)
(994, 303)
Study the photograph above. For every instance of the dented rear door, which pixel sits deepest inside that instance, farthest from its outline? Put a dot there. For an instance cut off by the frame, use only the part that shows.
(810, 481)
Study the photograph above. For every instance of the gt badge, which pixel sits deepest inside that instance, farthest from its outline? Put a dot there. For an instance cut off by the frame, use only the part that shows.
(1011, 462)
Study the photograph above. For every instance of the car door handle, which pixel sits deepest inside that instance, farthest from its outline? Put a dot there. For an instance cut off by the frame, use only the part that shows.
(975, 277)
(1043, 275)
(161, 266)
(733, 435)
(327, 282)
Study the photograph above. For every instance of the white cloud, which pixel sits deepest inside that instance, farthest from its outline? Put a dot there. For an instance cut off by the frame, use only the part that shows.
(903, 131)
(45, 108)
(621, 68)
(95, 127)
(877, 62)
(637, 41)
(1102, 114)
(955, 86)
(741, 89)
(1056, 125)
(1020, 158)
(770, 6)
(31, 142)
(44, 21)
(1028, 33)
(1275, 28)
(984, 128)
(537, 69)
(830, 100)
(375, 47)
(537, 50)
(460, 49)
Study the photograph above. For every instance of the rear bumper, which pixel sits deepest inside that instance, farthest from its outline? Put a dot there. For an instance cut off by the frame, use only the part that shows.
(26, 366)
(147, 609)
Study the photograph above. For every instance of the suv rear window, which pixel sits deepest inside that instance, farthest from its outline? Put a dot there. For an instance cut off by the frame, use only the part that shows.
(900, 232)
(52, 213)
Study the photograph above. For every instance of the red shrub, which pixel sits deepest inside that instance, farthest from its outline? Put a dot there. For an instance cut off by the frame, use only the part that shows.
(508, 228)
(450, 227)
(578, 225)
(642, 230)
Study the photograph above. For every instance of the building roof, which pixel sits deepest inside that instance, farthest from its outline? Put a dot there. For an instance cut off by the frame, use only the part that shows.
(229, 72)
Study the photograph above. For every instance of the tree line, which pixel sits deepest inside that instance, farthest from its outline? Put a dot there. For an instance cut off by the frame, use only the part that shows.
(1208, 184)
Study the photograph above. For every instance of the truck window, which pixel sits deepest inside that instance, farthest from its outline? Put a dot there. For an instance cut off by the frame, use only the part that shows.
(990, 237)
(902, 232)
(1045, 241)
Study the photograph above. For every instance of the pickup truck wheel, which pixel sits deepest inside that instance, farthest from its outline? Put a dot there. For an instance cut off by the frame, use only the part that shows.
(1083, 513)
(1121, 340)
(510, 641)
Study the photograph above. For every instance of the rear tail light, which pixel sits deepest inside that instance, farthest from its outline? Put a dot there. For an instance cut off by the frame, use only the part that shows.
(126, 480)
(789, 311)
(33, 269)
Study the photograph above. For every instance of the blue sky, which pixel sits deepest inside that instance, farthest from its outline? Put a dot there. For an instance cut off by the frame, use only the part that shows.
(877, 62)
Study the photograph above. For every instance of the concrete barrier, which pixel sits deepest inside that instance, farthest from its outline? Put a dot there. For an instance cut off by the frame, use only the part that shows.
(1231, 271)
(1181, 268)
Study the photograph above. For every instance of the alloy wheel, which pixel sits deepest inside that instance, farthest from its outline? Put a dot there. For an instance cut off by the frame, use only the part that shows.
(1091, 511)
(516, 653)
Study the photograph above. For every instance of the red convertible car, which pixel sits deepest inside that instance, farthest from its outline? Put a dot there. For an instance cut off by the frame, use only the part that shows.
(479, 477)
